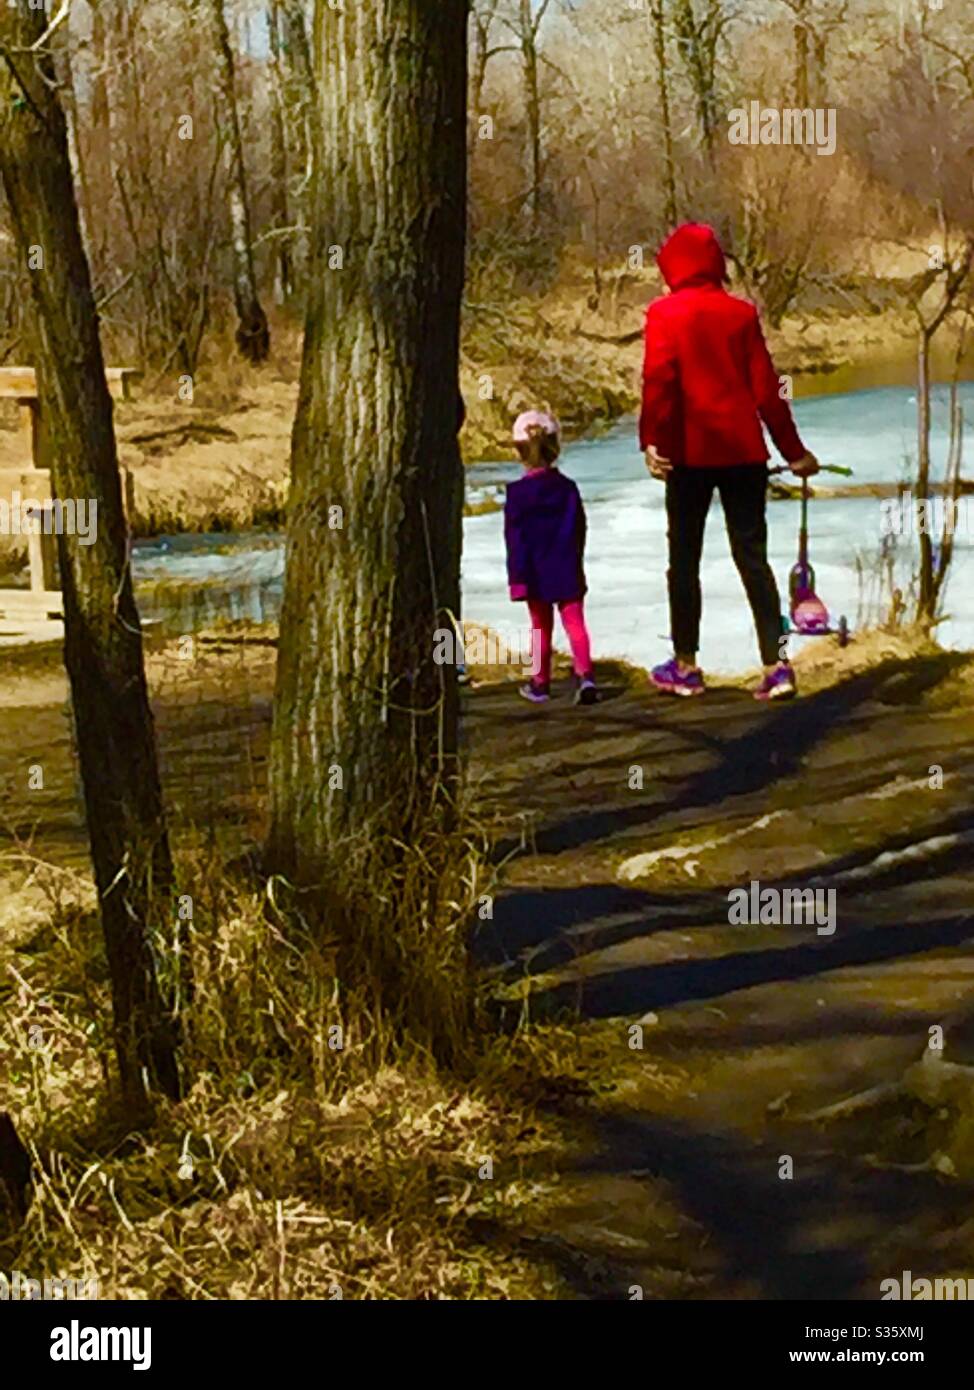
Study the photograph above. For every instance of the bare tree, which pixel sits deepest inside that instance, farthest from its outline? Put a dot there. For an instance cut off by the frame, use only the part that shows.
(279, 157)
(253, 334)
(923, 148)
(103, 638)
(814, 23)
(951, 280)
(700, 26)
(525, 24)
(483, 15)
(658, 21)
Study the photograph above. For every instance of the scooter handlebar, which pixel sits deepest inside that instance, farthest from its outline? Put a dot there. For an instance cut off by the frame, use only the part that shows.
(822, 468)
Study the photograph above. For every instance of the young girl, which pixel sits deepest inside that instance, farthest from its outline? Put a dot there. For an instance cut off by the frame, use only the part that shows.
(544, 528)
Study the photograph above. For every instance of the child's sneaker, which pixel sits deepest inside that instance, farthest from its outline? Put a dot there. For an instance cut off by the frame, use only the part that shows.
(537, 694)
(779, 684)
(586, 692)
(675, 681)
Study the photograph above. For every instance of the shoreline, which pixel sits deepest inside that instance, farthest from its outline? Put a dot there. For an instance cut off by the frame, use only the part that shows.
(222, 466)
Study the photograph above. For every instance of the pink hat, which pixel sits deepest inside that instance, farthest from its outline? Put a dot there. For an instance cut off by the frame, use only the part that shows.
(531, 421)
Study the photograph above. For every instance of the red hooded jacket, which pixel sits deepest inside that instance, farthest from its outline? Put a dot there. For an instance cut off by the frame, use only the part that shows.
(708, 378)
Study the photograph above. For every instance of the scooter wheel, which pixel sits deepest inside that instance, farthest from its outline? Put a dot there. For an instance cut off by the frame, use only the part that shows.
(843, 631)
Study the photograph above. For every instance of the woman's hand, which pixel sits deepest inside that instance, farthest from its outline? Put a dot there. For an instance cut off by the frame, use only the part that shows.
(658, 466)
(806, 466)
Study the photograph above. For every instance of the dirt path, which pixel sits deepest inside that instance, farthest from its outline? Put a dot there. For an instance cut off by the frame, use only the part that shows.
(747, 1030)
(618, 909)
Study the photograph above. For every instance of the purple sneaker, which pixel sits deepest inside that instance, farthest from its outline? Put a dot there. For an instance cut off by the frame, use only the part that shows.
(779, 684)
(586, 691)
(537, 694)
(674, 681)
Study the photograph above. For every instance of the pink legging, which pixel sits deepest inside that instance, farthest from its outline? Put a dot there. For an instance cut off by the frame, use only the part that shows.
(573, 621)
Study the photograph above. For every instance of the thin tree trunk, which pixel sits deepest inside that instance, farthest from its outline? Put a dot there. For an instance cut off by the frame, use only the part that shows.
(478, 75)
(662, 78)
(532, 109)
(952, 491)
(299, 105)
(78, 167)
(253, 334)
(697, 42)
(820, 51)
(279, 161)
(926, 596)
(365, 720)
(103, 639)
(101, 162)
(297, 52)
(801, 56)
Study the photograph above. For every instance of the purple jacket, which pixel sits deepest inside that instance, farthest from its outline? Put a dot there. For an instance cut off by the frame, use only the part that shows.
(544, 528)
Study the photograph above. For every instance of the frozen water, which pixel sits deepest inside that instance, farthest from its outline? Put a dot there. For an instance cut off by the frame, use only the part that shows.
(870, 431)
(873, 432)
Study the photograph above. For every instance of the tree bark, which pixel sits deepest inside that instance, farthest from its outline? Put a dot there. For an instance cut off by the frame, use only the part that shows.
(296, 52)
(532, 107)
(253, 334)
(298, 83)
(279, 159)
(801, 54)
(359, 695)
(101, 137)
(698, 40)
(925, 598)
(75, 153)
(662, 78)
(481, 25)
(103, 639)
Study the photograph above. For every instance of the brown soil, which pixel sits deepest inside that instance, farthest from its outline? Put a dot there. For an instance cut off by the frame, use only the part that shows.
(613, 909)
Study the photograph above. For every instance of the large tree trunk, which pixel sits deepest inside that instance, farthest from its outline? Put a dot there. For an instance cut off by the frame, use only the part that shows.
(360, 699)
(103, 639)
(253, 334)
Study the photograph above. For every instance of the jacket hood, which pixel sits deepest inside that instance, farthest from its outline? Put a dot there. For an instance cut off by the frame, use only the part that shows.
(692, 255)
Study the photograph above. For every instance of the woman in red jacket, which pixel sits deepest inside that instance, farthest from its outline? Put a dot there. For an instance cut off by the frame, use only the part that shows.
(708, 386)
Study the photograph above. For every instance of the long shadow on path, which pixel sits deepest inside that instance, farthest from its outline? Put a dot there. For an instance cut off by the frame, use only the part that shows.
(771, 748)
(639, 988)
(777, 1234)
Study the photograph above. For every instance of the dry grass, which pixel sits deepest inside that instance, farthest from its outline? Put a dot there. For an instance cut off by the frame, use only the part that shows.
(304, 1161)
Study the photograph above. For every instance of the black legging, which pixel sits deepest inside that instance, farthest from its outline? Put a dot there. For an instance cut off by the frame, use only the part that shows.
(743, 493)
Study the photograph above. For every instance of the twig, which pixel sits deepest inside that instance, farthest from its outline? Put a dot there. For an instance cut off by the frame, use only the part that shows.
(862, 1100)
(55, 23)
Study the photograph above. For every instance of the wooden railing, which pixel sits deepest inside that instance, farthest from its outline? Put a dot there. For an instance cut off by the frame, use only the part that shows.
(41, 603)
